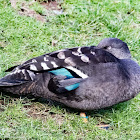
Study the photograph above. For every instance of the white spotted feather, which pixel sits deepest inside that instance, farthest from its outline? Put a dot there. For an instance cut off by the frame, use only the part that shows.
(71, 59)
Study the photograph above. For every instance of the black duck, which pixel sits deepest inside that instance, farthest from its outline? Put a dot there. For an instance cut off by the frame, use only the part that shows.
(85, 78)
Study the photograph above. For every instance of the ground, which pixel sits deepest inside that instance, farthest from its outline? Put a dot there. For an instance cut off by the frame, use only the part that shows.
(69, 23)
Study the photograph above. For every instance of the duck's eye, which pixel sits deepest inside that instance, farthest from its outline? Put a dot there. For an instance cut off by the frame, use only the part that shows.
(107, 47)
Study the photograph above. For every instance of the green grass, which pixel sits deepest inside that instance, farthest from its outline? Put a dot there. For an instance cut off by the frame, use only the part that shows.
(83, 22)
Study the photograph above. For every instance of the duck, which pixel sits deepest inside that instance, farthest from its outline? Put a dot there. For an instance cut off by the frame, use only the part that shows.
(83, 78)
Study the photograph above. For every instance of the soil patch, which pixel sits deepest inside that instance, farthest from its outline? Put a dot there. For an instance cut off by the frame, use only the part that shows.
(39, 10)
(40, 111)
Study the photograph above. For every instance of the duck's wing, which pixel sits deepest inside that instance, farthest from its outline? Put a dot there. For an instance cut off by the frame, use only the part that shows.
(75, 60)
(61, 57)
(74, 57)
(68, 58)
(56, 60)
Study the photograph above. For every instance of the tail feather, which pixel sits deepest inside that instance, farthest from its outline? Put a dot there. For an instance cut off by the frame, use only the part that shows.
(27, 86)
(11, 83)
(17, 77)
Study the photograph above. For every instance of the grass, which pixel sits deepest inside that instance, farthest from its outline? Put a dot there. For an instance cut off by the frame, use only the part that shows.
(82, 23)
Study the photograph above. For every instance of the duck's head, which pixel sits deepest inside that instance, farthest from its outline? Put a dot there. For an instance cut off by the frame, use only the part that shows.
(115, 46)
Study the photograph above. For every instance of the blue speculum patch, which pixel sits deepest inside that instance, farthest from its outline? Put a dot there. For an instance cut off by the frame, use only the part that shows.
(72, 87)
(65, 72)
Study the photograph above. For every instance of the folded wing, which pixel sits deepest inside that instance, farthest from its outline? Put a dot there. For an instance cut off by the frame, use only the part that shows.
(74, 60)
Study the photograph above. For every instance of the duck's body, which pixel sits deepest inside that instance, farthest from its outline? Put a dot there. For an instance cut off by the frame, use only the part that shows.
(103, 79)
